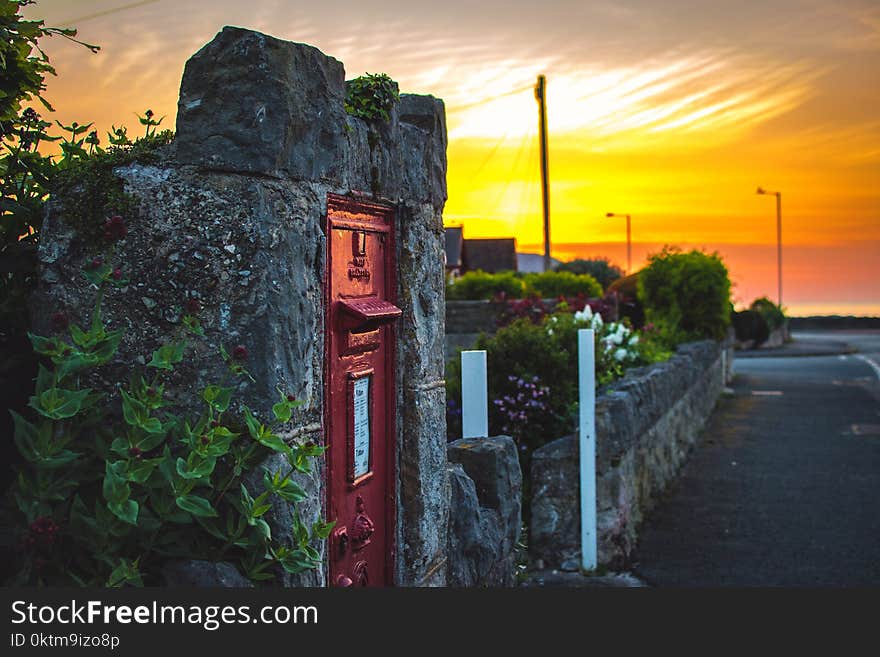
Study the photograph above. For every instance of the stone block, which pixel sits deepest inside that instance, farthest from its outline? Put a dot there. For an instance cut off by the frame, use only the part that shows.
(493, 464)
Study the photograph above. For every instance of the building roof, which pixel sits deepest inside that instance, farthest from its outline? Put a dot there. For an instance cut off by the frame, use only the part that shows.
(490, 255)
(533, 263)
(453, 235)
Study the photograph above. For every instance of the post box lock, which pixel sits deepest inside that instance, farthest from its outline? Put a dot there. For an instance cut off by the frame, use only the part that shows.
(363, 526)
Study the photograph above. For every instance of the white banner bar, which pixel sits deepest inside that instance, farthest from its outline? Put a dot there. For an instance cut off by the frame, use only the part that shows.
(474, 395)
(587, 431)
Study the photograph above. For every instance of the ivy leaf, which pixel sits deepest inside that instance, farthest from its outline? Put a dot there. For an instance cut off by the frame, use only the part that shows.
(198, 506)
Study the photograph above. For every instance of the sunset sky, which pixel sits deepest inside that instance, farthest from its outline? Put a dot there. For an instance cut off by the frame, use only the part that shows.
(673, 112)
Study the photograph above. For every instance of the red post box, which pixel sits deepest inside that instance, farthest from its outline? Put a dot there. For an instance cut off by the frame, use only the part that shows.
(360, 404)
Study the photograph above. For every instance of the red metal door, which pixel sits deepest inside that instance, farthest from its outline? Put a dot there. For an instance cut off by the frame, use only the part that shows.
(360, 406)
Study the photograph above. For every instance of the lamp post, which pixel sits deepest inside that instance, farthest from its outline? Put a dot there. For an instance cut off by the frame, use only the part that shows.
(778, 196)
(628, 240)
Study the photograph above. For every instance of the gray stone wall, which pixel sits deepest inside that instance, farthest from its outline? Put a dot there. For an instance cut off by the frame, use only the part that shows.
(646, 424)
(233, 216)
(485, 504)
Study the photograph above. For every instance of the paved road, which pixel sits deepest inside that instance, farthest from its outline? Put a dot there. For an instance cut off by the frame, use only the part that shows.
(784, 489)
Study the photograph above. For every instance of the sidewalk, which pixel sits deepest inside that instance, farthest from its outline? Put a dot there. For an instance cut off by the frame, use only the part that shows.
(806, 344)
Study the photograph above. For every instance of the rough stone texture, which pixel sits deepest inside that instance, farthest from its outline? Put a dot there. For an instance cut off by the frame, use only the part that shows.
(203, 574)
(476, 536)
(646, 424)
(484, 527)
(234, 216)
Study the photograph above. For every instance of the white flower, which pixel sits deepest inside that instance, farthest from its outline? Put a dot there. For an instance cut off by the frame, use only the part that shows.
(549, 331)
(584, 315)
(596, 322)
(615, 338)
(634, 340)
(621, 354)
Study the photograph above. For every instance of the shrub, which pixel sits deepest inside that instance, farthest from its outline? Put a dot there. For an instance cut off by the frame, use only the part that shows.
(599, 268)
(625, 292)
(686, 295)
(481, 285)
(750, 326)
(553, 284)
(541, 358)
(772, 314)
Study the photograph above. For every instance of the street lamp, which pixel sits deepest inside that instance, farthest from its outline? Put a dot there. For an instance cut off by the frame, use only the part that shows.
(778, 196)
(628, 241)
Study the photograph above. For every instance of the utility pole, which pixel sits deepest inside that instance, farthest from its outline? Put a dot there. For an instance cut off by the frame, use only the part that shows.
(778, 196)
(541, 95)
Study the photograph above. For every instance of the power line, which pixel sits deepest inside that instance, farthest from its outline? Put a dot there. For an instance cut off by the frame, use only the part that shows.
(486, 101)
(108, 12)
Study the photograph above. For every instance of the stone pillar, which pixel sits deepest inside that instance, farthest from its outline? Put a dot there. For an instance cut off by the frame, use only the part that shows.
(232, 215)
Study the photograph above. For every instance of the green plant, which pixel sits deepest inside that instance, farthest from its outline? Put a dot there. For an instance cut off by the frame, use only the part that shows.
(750, 326)
(110, 490)
(599, 268)
(481, 285)
(371, 96)
(25, 179)
(774, 315)
(553, 284)
(686, 295)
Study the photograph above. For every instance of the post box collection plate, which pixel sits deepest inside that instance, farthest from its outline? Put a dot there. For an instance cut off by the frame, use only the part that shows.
(360, 405)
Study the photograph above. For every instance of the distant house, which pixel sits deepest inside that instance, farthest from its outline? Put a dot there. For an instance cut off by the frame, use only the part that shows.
(533, 263)
(490, 255)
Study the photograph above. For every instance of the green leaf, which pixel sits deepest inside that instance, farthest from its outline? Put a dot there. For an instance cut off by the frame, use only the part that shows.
(104, 349)
(44, 380)
(59, 459)
(198, 506)
(26, 437)
(46, 346)
(127, 510)
(58, 403)
(79, 337)
(151, 441)
(218, 398)
(291, 492)
(282, 411)
(140, 471)
(321, 530)
(115, 487)
(193, 325)
(166, 356)
(199, 471)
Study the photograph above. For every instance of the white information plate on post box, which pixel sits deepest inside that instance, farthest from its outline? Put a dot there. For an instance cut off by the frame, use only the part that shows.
(361, 428)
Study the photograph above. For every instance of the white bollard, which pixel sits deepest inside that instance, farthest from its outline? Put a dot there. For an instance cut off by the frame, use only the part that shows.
(587, 432)
(474, 395)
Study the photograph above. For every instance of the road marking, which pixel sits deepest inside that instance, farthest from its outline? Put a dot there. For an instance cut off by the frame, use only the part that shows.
(767, 393)
(871, 362)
